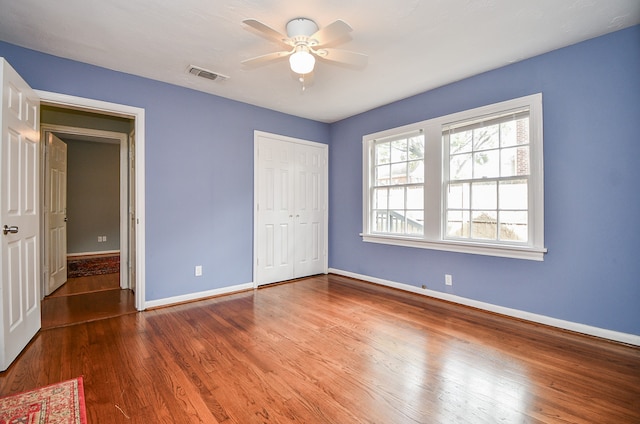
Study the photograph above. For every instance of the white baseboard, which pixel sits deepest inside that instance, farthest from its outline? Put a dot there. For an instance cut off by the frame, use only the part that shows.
(167, 301)
(631, 339)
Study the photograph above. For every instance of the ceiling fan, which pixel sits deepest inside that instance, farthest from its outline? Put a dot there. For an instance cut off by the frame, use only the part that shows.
(305, 41)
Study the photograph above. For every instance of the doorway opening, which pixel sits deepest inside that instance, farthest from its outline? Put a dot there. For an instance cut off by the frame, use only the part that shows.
(86, 214)
(104, 223)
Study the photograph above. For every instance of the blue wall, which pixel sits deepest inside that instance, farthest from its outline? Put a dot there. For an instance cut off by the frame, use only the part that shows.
(591, 274)
(199, 203)
(199, 168)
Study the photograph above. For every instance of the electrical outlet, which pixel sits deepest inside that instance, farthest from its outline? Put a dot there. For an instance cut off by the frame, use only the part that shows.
(448, 280)
(99, 239)
(198, 270)
(104, 238)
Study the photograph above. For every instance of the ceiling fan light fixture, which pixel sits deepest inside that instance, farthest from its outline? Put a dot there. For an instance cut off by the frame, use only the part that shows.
(302, 62)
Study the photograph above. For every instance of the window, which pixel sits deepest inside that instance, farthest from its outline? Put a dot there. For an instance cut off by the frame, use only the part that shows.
(398, 185)
(469, 182)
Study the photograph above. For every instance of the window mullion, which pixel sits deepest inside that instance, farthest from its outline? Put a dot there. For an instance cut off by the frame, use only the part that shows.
(433, 199)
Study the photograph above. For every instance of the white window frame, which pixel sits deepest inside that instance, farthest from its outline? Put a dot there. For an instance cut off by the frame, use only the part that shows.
(435, 183)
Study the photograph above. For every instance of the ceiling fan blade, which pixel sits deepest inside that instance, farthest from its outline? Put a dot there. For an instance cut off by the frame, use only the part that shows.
(331, 32)
(260, 60)
(344, 56)
(266, 31)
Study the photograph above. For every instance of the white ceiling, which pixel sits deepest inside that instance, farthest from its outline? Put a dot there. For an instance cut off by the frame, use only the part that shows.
(413, 45)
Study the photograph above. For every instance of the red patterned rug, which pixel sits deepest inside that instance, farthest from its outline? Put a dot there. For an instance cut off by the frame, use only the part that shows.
(61, 403)
(83, 266)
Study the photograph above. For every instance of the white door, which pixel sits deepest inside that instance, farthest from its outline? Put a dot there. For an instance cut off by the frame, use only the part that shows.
(56, 203)
(275, 211)
(19, 215)
(290, 235)
(309, 211)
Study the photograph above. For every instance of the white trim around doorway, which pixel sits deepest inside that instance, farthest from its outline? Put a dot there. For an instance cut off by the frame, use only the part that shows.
(138, 115)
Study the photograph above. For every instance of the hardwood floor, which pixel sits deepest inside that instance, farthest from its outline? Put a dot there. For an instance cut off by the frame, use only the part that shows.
(330, 349)
(85, 299)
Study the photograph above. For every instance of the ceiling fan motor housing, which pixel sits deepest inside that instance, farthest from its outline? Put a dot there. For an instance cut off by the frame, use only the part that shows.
(301, 26)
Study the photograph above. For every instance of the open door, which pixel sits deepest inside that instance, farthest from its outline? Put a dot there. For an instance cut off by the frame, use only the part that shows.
(19, 215)
(56, 204)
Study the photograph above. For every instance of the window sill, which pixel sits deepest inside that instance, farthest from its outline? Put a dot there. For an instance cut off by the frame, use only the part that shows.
(515, 252)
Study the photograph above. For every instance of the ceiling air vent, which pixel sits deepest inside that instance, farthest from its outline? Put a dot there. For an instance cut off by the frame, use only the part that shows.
(205, 73)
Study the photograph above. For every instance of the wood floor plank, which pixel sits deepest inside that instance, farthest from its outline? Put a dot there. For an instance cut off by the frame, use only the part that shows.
(330, 349)
(79, 285)
(60, 311)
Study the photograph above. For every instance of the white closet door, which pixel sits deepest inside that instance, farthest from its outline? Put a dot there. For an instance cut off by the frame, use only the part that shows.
(291, 209)
(275, 211)
(309, 211)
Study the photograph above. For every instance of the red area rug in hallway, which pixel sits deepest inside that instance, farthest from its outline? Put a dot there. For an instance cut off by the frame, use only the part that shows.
(84, 266)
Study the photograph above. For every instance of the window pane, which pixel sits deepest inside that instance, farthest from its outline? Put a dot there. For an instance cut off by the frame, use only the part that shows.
(515, 161)
(460, 167)
(415, 222)
(399, 150)
(460, 142)
(416, 147)
(380, 222)
(382, 175)
(484, 195)
(486, 138)
(399, 173)
(416, 171)
(484, 225)
(514, 194)
(486, 164)
(415, 197)
(514, 226)
(396, 222)
(508, 134)
(458, 224)
(458, 196)
(382, 153)
(381, 197)
(396, 198)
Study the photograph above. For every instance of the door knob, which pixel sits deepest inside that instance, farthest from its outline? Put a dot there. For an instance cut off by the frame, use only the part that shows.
(6, 229)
